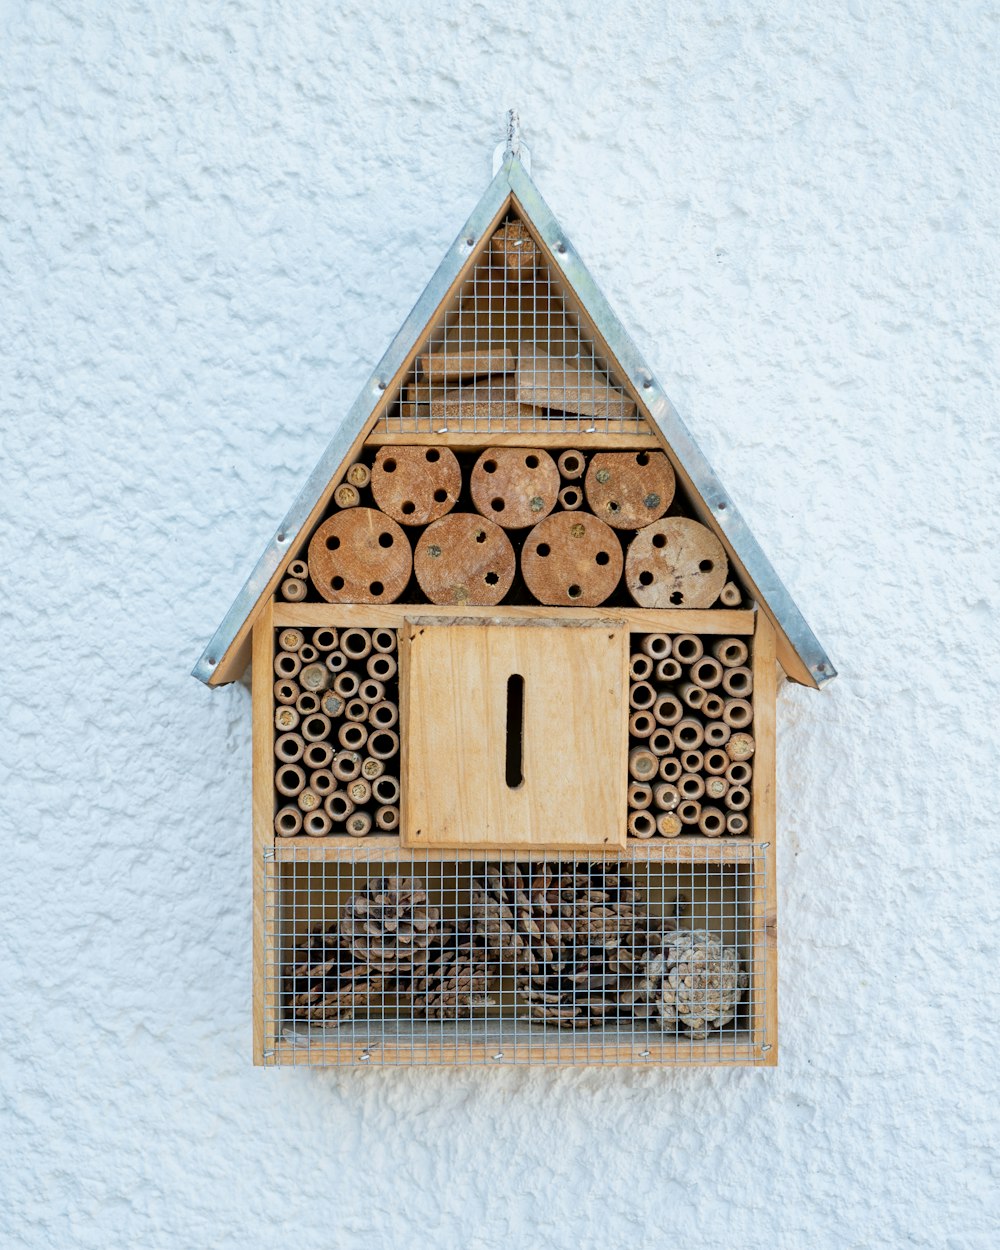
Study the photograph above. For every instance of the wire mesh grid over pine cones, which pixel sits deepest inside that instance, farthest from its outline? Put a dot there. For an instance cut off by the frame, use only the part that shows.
(576, 937)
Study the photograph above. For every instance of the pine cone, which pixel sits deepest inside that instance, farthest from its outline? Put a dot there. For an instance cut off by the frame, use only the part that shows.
(389, 926)
(327, 983)
(695, 981)
(454, 978)
(577, 937)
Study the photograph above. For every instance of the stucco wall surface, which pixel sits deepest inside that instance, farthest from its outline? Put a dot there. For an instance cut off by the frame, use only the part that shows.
(214, 217)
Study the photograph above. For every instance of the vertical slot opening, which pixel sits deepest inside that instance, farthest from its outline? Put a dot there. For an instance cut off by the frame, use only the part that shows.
(515, 731)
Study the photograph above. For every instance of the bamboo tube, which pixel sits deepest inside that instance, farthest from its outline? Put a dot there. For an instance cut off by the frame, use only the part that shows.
(287, 822)
(352, 735)
(356, 709)
(316, 727)
(307, 703)
(286, 691)
(668, 710)
(711, 822)
(714, 706)
(383, 744)
(356, 644)
(641, 824)
(371, 691)
(346, 496)
(738, 773)
(693, 696)
(323, 782)
(387, 818)
(384, 715)
(358, 475)
(689, 734)
(332, 704)
(358, 824)
(285, 719)
(668, 670)
(571, 465)
(289, 780)
(308, 800)
(730, 652)
(308, 654)
(639, 666)
(657, 646)
(641, 695)
(639, 795)
(730, 596)
(667, 797)
(287, 664)
(687, 648)
(690, 786)
(386, 789)
(317, 824)
(338, 806)
(336, 661)
(317, 755)
(716, 761)
(384, 640)
(738, 798)
(293, 590)
(290, 639)
(706, 672)
(298, 569)
(717, 734)
(325, 639)
(642, 764)
(346, 684)
(381, 667)
(738, 682)
(641, 724)
(346, 765)
(689, 811)
(661, 741)
(289, 747)
(692, 761)
(738, 713)
(716, 788)
(740, 747)
(570, 498)
(371, 769)
(668, 824)
(737, 823)
(670, 769)
(358, 791)
(315, 677)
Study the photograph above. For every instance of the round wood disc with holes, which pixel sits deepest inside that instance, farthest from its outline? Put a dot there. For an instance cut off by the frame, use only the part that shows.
(515, 486)
(514, 248)
(571, 559)
(463, 558)
(675, 563)
(629, 489)
(416, 485)
(360, 556)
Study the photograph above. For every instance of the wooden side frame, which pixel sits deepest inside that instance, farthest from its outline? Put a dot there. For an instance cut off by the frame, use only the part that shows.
(763, 831)
(262, 737)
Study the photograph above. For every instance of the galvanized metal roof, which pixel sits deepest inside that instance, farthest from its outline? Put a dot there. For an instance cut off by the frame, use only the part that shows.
(799, 651)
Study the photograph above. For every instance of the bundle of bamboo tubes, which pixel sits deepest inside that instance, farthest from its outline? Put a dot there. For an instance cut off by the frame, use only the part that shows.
(691, 738)
(335, 744)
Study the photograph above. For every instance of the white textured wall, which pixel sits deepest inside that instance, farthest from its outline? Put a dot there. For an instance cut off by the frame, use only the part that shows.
(214, 216)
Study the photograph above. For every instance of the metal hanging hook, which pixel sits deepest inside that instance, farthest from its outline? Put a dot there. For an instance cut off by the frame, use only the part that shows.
(512, 145)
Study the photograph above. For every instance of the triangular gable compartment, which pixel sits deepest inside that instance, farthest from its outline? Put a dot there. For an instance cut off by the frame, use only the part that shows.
(512, 338)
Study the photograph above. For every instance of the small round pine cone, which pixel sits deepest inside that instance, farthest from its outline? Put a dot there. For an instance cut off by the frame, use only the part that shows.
(695, 981)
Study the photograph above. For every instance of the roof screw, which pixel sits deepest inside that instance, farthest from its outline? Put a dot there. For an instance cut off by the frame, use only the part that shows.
(561, 248)
(381, 384)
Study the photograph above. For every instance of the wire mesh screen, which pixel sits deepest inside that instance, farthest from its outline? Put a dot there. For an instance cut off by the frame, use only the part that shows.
(573, 959)
(511, 354)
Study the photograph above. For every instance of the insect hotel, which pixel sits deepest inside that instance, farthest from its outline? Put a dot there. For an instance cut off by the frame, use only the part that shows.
(514, 658)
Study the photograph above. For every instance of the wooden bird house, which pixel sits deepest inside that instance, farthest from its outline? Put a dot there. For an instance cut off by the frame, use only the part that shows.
(514, 681)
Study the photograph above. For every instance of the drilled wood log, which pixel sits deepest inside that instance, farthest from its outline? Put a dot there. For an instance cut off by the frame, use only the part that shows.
(360, 556)
(294, 590)
(571, 559)
(416, 485)
(514, 486)
(642, 764)
(287, 822)
(455, 365)
(629, 489)
(465, 559)
(572, 384)
(571, 465)
(737, 713)
(675, 563)
(514, 250)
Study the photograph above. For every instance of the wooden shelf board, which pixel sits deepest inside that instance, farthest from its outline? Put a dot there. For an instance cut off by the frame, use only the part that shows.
(476, 440)
(689, 848)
